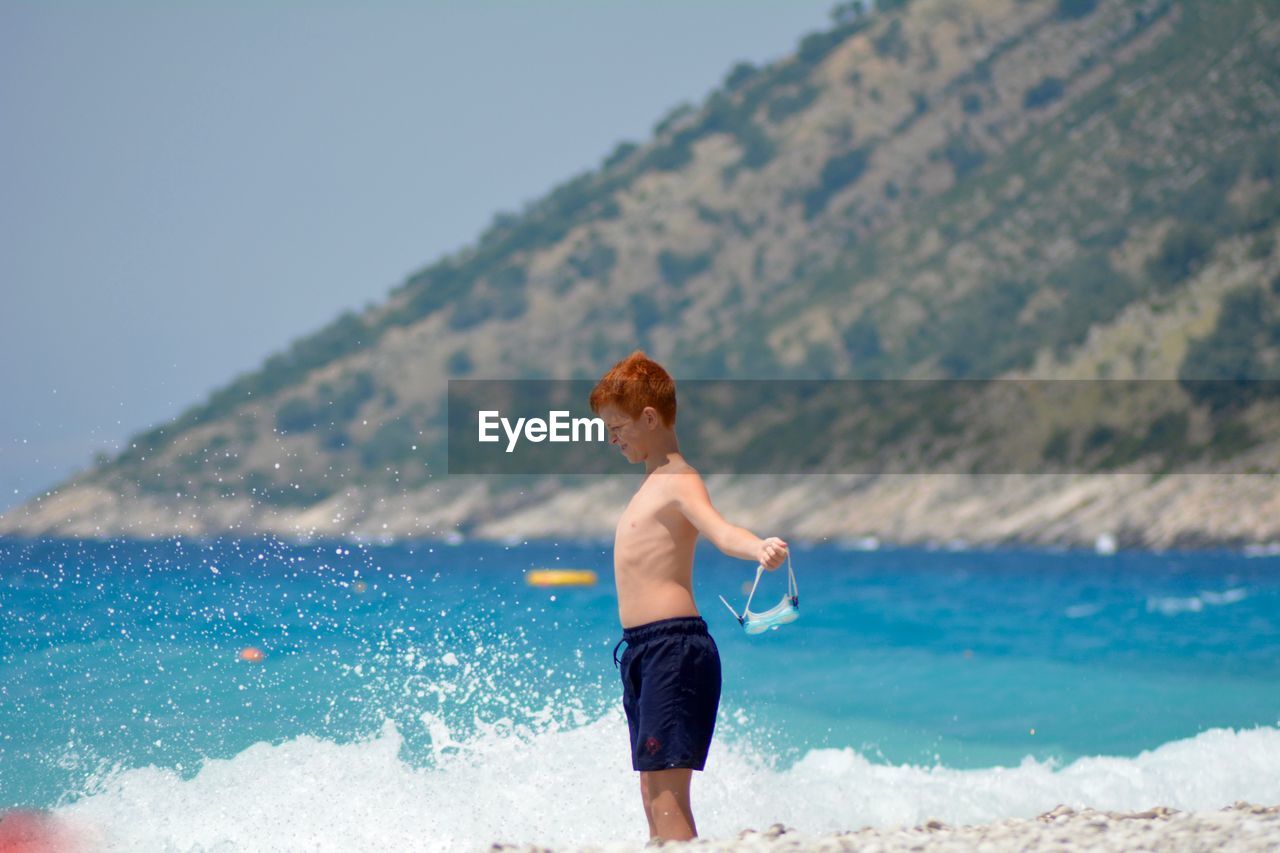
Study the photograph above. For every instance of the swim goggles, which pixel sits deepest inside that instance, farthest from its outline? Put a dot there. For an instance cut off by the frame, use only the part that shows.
(786, 611)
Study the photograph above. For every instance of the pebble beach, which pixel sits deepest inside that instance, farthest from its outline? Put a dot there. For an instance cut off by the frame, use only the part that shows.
(1239, 827)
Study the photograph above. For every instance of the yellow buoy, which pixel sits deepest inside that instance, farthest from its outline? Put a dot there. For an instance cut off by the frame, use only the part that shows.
(560, 577)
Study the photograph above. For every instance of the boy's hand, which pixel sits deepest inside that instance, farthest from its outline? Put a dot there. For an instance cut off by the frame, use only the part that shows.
(772, 553)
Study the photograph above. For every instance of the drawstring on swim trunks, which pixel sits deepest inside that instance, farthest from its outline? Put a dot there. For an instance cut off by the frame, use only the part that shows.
(637, 635)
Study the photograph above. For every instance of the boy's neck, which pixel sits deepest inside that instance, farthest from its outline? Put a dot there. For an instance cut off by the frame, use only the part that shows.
(666, 453)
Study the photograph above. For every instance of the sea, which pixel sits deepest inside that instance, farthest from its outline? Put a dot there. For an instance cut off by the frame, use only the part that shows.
(424, 696)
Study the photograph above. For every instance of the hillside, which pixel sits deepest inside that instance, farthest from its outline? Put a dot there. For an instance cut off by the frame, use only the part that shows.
(1061, 189)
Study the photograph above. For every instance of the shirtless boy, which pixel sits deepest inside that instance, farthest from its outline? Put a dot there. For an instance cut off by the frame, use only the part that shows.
(671, 667)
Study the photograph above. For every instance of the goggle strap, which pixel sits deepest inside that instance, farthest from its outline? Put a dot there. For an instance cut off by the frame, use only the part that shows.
(740, 619)
(793, 591)
(759, 572)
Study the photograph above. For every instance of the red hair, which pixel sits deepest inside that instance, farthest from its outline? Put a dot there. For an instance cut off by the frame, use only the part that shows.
(633, 383)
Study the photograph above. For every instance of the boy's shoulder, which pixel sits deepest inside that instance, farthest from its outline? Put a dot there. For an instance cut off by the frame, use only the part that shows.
(681, 478)
(679, 467)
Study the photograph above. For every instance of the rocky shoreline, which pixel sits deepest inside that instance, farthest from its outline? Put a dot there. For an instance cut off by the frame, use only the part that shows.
(1102, 511)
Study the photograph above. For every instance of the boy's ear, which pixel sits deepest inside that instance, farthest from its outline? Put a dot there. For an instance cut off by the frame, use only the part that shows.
(650, 417)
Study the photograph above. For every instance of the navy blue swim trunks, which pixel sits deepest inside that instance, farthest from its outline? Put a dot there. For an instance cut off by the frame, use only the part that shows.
(670, 691)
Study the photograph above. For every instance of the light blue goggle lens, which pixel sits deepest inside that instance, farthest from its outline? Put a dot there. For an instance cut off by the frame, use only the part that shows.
(784, 613)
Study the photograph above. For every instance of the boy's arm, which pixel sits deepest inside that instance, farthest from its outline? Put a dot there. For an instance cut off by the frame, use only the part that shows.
(692, 499)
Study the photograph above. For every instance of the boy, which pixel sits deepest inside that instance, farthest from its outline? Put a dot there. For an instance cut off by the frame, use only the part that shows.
(671, 667)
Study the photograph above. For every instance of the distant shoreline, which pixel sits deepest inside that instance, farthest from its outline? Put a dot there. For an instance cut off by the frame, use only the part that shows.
(1098, 512)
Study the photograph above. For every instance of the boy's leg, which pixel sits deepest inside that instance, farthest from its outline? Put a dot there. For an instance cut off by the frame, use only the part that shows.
(671, 816)
(648, 809)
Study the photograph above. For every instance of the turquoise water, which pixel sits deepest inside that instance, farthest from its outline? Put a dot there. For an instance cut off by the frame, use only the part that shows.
(119, 672)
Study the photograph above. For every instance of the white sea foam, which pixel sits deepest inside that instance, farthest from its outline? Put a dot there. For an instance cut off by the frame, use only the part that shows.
(1173, 605)
(1081, 611)
(573, 786)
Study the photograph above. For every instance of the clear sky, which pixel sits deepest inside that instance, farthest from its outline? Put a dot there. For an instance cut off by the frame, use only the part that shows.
(187, 187)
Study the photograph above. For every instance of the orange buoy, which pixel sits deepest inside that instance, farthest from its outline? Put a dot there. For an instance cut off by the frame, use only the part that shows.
(561, 577)
(252, 654)
(359, 586)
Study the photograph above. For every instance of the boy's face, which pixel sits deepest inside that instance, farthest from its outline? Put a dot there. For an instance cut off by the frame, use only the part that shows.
(628, 433)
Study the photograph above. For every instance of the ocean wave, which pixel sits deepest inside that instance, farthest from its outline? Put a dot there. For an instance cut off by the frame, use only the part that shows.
(1173, 605)
(573, 786)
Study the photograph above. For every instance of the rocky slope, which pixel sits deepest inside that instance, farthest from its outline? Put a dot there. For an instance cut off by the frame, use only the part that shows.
(1001, 188)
